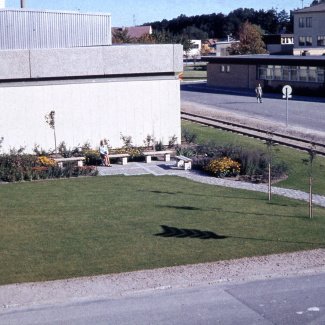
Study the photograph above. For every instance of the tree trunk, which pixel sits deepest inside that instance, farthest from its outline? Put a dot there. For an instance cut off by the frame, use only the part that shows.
(270, 189)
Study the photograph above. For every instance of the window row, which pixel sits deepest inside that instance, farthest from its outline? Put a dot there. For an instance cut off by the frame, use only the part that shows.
(305, 41)
(305, 22)
(291, 73)
(308, 40)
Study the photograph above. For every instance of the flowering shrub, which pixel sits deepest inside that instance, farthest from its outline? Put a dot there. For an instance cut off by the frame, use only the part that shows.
(44, 161)
(134, 153)
(223, 167)
(92, 157)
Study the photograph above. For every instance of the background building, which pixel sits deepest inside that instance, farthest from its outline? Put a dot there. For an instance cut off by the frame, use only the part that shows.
(273, 71)
(309, 30)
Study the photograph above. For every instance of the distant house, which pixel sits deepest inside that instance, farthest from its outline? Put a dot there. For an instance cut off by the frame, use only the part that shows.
(309, 30)
(195, 50)
(280, 44)
(134, 32)
(219, 46)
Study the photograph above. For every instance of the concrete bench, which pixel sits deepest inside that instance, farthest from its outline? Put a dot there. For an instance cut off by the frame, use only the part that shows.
(60, 161)
(123, 156)
(149, 154)
(183, 161)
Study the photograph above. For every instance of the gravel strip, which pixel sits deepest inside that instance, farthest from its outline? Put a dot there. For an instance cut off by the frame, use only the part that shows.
(76, 289)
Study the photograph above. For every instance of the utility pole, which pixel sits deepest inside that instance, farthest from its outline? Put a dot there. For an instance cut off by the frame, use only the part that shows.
(22, 3)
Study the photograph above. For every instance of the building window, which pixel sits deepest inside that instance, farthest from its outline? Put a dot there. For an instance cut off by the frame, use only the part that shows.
(305, 41)
(309, 22)
(301, 22)
(225, 68)
(321, 40)
(302, 40)
(291, 73)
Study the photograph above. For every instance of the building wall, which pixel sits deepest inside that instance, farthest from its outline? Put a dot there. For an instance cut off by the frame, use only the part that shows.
(237, 75)
(96, 92)
(32, 29)
(89, 111)
(317, 29)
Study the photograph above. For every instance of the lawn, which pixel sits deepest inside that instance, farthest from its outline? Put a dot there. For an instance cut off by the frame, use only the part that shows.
(98, 225)
(191, 73)
(298, 175)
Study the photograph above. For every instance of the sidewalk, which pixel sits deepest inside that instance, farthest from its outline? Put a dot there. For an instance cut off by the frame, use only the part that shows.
(159, 168)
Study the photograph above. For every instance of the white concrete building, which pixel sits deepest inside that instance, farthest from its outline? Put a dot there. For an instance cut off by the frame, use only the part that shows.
(96, 92)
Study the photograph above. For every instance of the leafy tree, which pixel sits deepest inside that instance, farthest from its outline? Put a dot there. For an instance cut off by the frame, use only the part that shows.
(121, 36)
(193, 32)
(250, 41)
(219, 25)
(50, 120)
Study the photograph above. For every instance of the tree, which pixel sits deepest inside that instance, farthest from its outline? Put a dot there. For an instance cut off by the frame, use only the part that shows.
(250, 41)
(193, 32)
(270, 144)
(312, 156)
(50, 120)
(121, 36)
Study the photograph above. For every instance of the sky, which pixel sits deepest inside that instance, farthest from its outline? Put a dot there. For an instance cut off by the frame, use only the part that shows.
(137, 12)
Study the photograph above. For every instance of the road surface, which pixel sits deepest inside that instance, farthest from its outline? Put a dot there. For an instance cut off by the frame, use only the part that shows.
(289, 300)
(303, 112)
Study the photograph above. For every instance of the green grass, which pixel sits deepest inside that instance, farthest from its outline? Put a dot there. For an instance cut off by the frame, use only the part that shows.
(98, 225)
(191, 74)
(299, 174)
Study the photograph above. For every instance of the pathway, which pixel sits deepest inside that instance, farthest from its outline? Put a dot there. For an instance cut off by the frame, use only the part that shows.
(159, 168)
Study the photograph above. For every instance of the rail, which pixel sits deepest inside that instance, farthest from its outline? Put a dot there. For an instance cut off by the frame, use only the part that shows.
(280, 138)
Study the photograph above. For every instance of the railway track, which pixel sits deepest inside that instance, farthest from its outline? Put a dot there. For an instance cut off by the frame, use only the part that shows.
(279, 138)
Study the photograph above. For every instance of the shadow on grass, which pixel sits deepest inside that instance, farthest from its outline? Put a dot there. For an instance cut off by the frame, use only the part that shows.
(203, 195)
(191, 233)
(200, 234)
(263, 214)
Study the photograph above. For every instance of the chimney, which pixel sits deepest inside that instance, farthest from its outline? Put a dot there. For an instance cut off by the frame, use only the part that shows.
(22, 3)
(2, 4)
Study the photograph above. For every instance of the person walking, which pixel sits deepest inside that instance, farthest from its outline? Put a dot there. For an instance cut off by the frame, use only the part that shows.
(259, 93)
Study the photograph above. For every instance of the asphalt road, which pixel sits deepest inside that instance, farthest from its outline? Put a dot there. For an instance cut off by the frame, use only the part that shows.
(305, 112)
(290, 300)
